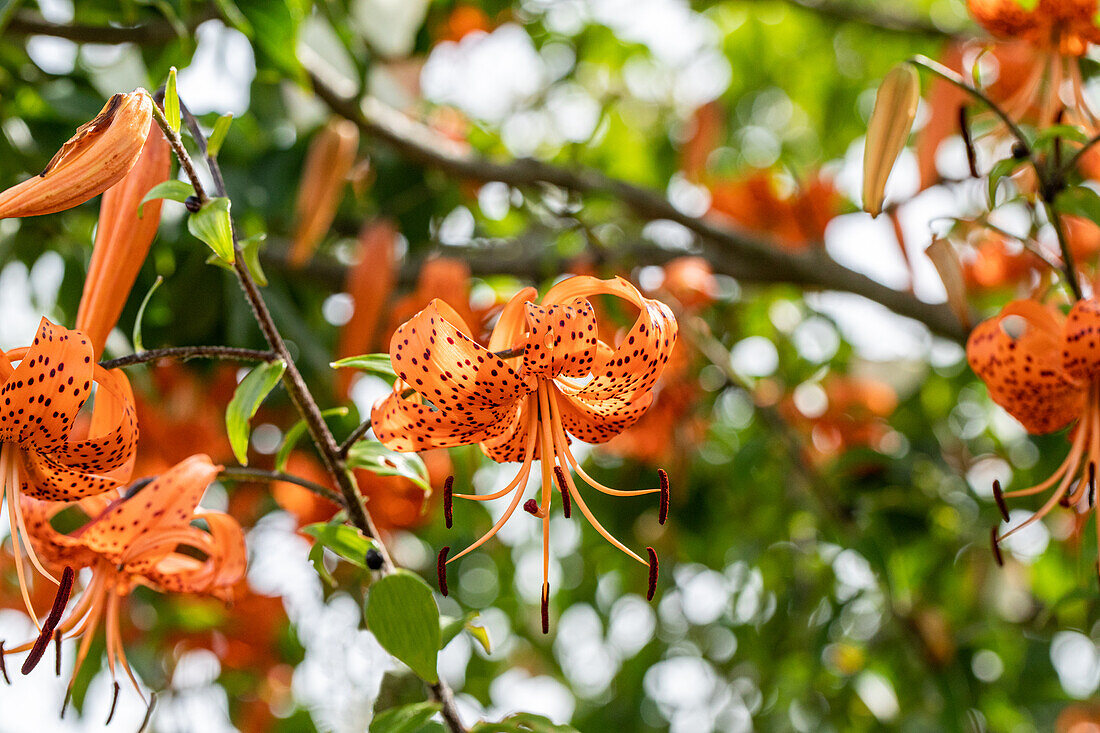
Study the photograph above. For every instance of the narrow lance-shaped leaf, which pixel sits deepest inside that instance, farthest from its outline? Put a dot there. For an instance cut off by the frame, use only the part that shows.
(174, 190)
(172, 101)
(344, 540)
(404, 719)
(250, 394)
(889, 127)
(290, 440)
(139, 344)
(402, 615)
(211, 224)
(378, 364)
(217, 135)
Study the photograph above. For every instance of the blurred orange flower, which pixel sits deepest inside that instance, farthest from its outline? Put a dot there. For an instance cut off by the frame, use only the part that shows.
(329, 160)
(797, 219)
(854, 414)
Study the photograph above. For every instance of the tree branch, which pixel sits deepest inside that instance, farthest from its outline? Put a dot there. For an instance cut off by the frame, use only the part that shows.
(27, 23)
(731, 250)
(243, 473)
(190, 352)
(873, 16)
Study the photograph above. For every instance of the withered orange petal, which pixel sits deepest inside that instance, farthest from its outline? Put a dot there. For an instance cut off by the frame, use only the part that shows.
(42, 397)
(97, 157)
(435, 356)
(403, 425)
(1020, 361)
(561, 340)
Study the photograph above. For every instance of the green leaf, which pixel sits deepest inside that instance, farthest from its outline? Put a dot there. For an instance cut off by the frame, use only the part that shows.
(295, 434)
(275, 30)
(402, 615)
(211, 224)
(172, 101)
(523, 723)
(405, 719)
(1000, 169)
(139, 345)
(378, 459)
(1079, 201)
(174, 190)
(379, 364)
(234, 17)
(217, 135)
(343, 539)
(1065, 132)
(451, 626)
(250, 394)
(317, 557)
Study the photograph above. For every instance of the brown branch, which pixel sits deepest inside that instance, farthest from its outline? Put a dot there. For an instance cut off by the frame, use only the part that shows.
(731, 250)
(874, 16)
(26, 23)
(243, 473)
(190, 352)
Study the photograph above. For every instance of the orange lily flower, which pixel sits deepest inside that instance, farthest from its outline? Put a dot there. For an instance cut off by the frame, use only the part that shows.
(855, 416)
(1042, 367)
(143, 538)
(544, 377)
(94, 159)
(330, 158)
(122, 241)
(40, 457)
(797, 220)
(1066, 26)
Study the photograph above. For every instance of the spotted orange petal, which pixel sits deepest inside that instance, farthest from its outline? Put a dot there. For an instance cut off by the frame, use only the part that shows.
(434, 354)
(561, 340)
(511, 444)
(598, 421)
(1081, 349)
(112, 437)
(405, 425)
(41, 398)
(1018, 354)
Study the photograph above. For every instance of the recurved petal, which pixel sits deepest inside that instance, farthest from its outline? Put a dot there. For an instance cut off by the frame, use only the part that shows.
(44, 478)
(561, 340)
(1081, 350)
(434, 354)
(112, 438)
(405, 425)
(598, 421)
(1018, 354)
(41, 398)
(511, 444)
(168, 502)
(55, 548)
(634, 366)
(94, 159)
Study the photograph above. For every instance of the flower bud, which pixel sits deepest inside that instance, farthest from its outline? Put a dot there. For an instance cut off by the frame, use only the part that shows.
(891, 121)
(946, 260)
(122, 241)
(330, 158)
(94, 159)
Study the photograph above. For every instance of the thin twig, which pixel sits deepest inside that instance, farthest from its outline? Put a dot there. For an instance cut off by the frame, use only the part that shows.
(355, 437)
(27, 23)
(243, 473)
(1069, 266)
(190, 352)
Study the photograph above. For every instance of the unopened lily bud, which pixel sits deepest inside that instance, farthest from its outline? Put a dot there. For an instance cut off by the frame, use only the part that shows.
(891, 121)
(946, 260)
(331, 156)
(94, 159)
(122, 241)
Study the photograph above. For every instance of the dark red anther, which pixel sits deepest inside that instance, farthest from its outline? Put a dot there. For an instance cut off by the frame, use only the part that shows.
(654, 570)
(662, 513)
(1092, 484)
(546, 608)
(65, 703)
(148, 712)
(3, 664)
(995, 542)
(999, 497)
(563, 487)
(441, 569)
(57, 650)
(531, 506)
(64, 589)
(114, 704)
(448, 501)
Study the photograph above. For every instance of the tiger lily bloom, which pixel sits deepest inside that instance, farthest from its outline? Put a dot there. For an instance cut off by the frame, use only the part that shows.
(545, 377)
(94, 159)
(122, 241)
(42, 390)
(145, 537)
(1044, 369)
